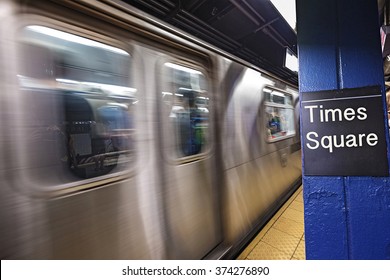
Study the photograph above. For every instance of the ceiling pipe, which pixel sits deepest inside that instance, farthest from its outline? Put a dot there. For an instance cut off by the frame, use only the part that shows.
(255, 20)
(245, 12)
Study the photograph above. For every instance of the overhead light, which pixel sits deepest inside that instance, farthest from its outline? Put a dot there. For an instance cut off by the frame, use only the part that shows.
(182, 68)
(73, 38)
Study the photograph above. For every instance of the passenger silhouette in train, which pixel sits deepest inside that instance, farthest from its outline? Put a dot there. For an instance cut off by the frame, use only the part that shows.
(274, 124)
(191, 134)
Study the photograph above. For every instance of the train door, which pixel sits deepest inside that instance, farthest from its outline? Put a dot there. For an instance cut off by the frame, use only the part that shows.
(188, 163)
(77, 143)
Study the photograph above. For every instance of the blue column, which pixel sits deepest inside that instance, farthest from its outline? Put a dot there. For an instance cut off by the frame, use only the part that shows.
(339, 48)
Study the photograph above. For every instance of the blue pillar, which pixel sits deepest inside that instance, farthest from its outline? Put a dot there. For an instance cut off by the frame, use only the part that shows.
(346, 217)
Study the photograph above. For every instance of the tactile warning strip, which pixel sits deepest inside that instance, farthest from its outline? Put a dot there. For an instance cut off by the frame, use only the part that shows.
(289, 226)
(264, 251)
(299, 253)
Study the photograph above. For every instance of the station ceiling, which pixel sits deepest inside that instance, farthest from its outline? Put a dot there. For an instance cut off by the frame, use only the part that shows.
(253, 30)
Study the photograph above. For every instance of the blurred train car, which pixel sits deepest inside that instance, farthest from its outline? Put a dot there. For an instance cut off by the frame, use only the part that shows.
(123, 138)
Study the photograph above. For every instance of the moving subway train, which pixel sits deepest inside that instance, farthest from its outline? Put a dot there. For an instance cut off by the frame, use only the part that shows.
(123, 138)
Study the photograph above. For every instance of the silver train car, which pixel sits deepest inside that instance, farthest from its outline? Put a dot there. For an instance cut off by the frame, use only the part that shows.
(124, 138)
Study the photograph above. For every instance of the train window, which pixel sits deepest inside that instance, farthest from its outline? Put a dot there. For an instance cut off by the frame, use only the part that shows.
(187, 106)
(78, 104)
(279, 115)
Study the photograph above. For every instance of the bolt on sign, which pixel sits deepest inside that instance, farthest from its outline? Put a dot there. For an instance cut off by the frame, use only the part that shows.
(343, 133)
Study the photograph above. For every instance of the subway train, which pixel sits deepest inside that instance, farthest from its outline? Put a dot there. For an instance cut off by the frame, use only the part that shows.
(125, 138)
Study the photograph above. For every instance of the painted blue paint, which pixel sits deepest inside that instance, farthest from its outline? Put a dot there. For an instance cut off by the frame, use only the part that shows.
(345, 217)
(359, 44)
(325, 230)
(318, 48)
(369, 217)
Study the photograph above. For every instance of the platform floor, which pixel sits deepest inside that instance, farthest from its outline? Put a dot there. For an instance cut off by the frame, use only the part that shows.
(283, 237)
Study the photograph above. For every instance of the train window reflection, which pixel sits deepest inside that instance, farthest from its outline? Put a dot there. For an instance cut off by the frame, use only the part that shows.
(79, 105)
(279, 115)
(187, 102)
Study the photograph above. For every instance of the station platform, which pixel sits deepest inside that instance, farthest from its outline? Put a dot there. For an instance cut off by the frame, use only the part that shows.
(282, 238)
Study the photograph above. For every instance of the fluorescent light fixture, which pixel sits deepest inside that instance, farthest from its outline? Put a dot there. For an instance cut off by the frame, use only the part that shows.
(73, 38)
(278, 94)
(182, 68)
(67, 81)
(113, 89)
(186, 89)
